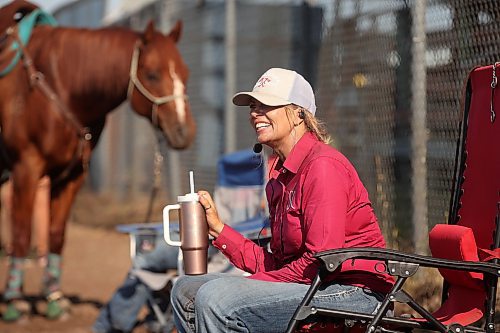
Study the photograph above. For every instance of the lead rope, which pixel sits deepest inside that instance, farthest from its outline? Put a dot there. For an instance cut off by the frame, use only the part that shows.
(493, 85)
(157, 163)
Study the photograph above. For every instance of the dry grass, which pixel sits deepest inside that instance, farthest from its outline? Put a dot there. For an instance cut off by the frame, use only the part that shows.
(105, 211)
(426, 288)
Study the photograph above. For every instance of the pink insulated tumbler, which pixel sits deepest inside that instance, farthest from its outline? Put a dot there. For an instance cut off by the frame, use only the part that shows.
(193, 231)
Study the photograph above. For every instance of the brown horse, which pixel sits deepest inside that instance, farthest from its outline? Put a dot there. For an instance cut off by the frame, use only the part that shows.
(53, 110)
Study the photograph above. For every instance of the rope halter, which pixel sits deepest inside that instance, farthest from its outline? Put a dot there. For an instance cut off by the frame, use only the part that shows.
(134, 82)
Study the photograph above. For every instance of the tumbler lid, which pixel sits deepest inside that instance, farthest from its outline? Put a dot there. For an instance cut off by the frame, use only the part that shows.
(188, 197)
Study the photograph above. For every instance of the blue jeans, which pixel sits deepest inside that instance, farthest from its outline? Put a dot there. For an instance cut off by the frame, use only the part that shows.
(121, 311)
(221, 303)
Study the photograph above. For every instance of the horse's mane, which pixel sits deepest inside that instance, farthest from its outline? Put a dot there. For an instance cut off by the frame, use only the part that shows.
(87, 60)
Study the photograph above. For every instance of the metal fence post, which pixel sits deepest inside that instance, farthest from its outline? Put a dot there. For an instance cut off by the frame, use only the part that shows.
(230, 78)
(419, 129)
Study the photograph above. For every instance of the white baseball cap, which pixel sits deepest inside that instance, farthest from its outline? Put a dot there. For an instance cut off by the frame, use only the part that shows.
(278, 87)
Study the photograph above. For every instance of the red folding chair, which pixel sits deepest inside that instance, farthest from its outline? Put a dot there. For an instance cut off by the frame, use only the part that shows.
(465, 251)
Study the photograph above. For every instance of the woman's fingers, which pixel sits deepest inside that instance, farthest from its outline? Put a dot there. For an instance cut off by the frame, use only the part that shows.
(214, 223)
(206, 200)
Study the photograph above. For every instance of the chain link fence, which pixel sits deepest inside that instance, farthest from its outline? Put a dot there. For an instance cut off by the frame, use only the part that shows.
(365, 91)
(361, 57)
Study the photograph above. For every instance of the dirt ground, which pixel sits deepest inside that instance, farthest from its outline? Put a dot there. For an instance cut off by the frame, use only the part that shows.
(95, 262)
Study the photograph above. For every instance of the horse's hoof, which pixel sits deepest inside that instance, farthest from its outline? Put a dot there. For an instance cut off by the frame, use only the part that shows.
(56, 310)
(16, 311)
(57, 306)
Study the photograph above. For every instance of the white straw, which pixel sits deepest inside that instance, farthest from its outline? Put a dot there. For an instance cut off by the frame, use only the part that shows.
(191, 181)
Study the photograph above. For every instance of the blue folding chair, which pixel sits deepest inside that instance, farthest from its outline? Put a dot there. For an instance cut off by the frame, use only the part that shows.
(239, 193)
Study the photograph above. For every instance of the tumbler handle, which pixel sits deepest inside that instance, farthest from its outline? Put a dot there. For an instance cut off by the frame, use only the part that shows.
(166, 224)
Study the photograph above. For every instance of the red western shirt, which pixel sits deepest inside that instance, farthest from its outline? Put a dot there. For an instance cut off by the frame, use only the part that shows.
(316, 203)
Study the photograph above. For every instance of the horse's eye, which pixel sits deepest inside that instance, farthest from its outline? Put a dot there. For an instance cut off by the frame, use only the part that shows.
(153, 76)
(18, 16)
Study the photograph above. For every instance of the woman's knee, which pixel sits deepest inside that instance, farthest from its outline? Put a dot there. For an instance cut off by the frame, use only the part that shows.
(180, 287)
(206, 294)
(186, 287)
(219, 294)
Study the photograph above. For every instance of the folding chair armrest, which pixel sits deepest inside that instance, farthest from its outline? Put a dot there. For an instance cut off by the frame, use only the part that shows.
(332, 259)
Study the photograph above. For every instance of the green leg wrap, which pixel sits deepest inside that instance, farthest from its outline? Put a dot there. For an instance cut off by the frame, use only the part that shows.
(52, 274)
(15, 279)
(16, 307)
(57, 304)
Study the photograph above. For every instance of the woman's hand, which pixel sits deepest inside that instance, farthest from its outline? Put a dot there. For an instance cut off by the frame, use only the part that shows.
(215, 225)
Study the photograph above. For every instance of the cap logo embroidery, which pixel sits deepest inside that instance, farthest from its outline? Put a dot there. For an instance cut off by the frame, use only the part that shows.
(262, 82)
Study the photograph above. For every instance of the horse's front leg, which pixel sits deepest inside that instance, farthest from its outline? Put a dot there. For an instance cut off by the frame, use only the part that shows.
(62, 197)
(25, 178)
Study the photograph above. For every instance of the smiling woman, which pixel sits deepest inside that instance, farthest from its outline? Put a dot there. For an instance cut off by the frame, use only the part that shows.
(316, 203)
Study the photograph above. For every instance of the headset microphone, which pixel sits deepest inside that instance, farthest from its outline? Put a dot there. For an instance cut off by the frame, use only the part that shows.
(257, 148)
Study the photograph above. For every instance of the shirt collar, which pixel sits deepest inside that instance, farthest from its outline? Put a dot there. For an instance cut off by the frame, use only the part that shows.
(299, 152)
(295, 158)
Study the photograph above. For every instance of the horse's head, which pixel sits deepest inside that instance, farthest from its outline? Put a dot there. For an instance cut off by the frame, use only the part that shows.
(157, 89)
(13, 12)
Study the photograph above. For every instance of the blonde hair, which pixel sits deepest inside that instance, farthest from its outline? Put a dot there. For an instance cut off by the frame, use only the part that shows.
(313, 124)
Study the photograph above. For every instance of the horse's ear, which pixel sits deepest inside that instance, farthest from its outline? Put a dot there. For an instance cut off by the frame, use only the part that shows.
(149, 32)
(175, 33)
